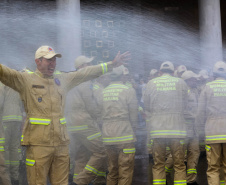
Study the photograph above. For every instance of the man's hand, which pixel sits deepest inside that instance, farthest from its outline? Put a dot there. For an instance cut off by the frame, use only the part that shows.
(121, 58)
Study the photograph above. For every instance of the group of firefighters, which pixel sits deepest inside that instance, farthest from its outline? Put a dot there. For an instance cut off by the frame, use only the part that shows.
(181, 110)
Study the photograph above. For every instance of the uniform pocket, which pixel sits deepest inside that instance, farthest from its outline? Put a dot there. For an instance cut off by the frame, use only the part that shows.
(40, 130)
(63, 128)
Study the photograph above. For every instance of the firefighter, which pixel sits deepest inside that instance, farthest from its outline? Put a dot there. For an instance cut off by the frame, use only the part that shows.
(180, 70)
(12, 121)
(119, 116)
(164, 100)
(90, 156)
(192, 141)
(211, 112)
(45, 131)
(4, 175)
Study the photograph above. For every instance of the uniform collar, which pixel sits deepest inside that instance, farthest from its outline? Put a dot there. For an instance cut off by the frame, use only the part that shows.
(37, 72)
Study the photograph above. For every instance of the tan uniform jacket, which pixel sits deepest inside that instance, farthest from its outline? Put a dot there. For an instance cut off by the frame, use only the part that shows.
(165, 100)
(44, 101)
(12, 110)
(212, 111)
(191, 112)
(82, 108)
(119, 114)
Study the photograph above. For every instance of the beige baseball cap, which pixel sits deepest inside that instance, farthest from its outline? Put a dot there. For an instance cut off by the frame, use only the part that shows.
(181, 68)
(117, 72)
(46, 52)
(219, 67)
(167, 65)
(189, 74)
(204, 74)
(125, 70)
(153, 72)
(82, 60)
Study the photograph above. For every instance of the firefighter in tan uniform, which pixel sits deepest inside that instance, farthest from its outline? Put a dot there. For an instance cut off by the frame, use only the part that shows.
(165, 99)
(12, 120)
(45, 131)
(212, 112)
(192, 141)
(89, 155)
(119, 113)
(4, 175)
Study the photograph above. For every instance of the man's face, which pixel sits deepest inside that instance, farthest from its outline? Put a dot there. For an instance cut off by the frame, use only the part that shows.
(46, 66)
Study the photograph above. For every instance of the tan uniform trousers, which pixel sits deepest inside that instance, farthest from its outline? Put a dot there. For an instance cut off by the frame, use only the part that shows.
(44, 161)
(192, 145)
(216, 157)
(4, 176)
(159, 154)
(120, 164)
(12, 145)
(90, 159)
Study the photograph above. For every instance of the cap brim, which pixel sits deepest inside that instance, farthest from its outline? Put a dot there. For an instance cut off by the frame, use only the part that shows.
(52, 55)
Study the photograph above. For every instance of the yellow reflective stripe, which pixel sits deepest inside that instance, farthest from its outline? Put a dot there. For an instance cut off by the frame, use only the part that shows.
(19, 150)
(96, 87)
(22, 138)
(63, 121)
(76, 128)
(129, 151)
(222, 182)
(191, 171)
(140, 108)
(116, 86)
(117, 139)
(183, 182)
(168, 132)
(2, 140)
(12, 117)
(14, 163)
(2, 148)
(207, 148)
(37, 121)
(7, 162)
(159, 181)
(104, 68)
(30, 162)
(95, 171)
(182, 142)
(168, 148)
(168, 169)
(128, 84)
(75, 175)
(215, 137)
(94, 136)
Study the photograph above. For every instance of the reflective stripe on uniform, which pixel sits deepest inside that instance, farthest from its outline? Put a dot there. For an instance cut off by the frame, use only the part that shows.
(30, 162)
(117, 139)
(76, 128)
(22, 138)
(114, 86)
(216, 137)
(129, 151)
(2, 140)
(94, 136)
(104, 68)
(63, 121)
(95, 171)
(222, 182)
(168, 132)
(37, 121)
(14, 163)
(2, 148)
(19, 150)
(167, 148)
(75, 175)
(12, 117)
(182, 182)
(207, 148)
(168, 170)
(96, 86)
(7, 162)
(159, 181)
(191, 171)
